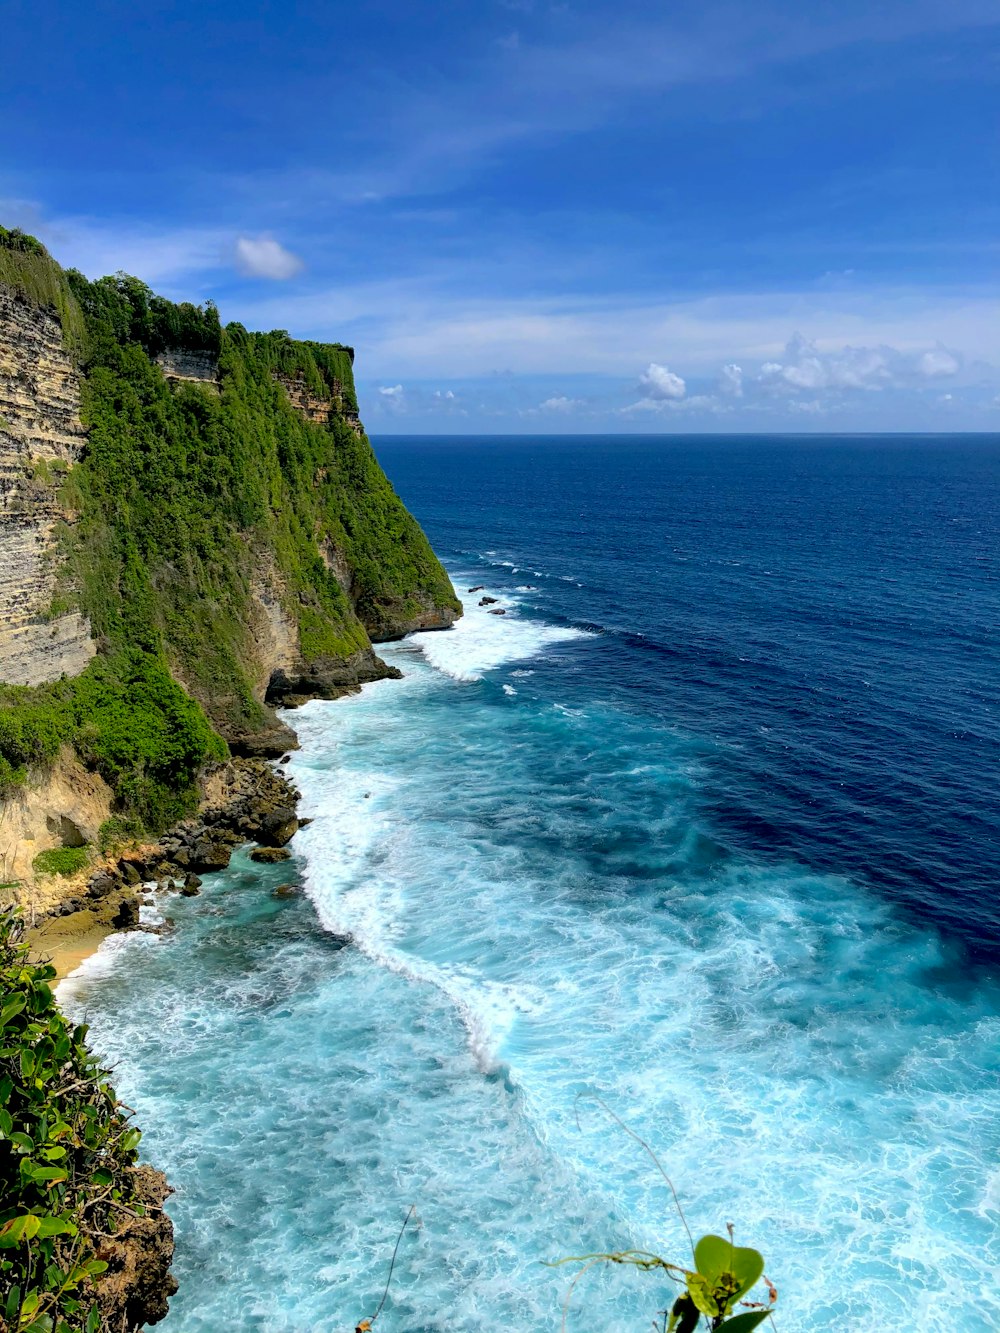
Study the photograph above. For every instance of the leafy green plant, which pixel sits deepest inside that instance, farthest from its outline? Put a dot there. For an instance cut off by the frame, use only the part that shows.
(715, 1285)
(118, 831)
(66, 1154)
(61, 860)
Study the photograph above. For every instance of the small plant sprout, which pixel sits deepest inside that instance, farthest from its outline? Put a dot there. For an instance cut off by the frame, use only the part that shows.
(714, 1286)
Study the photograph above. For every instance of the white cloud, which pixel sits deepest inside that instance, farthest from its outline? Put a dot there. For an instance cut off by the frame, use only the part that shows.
(937, 363)
(264, 257)
(445, 395)
(560, 404)
(731, 381)
(392, 391)
(660, 384)
(806, 366)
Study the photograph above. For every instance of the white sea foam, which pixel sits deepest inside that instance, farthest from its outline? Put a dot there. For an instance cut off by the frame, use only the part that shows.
(480, 642)
(526, 894)
(101, 963)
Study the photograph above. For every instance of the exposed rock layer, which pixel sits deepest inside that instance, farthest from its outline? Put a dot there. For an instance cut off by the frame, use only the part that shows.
(189, 368)
(41, 436)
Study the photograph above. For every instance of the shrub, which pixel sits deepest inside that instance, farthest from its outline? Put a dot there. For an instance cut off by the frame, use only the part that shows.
(68, 1152)
(61, 861)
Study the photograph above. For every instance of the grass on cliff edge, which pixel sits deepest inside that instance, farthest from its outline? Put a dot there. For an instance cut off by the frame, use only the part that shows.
(66, 1171)
(181, 500)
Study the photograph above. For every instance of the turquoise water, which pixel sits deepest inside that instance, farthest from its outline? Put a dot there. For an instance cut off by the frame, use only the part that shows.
(516, 892)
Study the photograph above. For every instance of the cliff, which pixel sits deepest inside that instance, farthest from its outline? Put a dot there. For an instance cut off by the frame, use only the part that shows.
(193, 528)
(41, 437)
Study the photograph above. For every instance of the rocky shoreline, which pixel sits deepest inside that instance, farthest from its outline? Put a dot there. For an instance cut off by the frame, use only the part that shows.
(244, 800)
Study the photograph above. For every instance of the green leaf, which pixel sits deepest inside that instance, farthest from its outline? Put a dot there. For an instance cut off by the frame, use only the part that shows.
(19, 1229)
(22, 1142)
(12, 1008)
(49, 1173)
(714, 1256)
(743, 1323)
(57, 1226)
(93, 1320)
(700, 1291)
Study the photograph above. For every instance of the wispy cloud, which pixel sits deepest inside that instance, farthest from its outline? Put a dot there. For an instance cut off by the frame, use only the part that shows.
(264, 257)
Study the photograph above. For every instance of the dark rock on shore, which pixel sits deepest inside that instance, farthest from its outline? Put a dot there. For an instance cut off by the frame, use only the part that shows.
(270, 742)
(286, 891)
(326, 678)
(497, 611)
(127, 916)
(478, 588)
(137, 1285)
(391, 619)
(246, 800)
(270, 855)
(207, 855)
(277, 827)
(488, 601)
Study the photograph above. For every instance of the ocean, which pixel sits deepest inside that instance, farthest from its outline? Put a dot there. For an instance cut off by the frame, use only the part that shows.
(703, 830)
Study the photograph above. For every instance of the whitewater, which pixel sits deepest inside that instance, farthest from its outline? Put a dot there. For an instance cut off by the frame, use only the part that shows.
(703, 827)
(515, 914)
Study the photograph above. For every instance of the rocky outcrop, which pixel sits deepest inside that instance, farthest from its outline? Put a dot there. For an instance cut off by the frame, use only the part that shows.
(137, 1284)
(64, 806)
(245, 800)
(389, 620)
(327, 678)
(41, 437)
(317, 409)
(189, 368)
(285, 677)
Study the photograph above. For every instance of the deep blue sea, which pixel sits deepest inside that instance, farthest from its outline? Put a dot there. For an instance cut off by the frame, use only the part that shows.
(706, 824)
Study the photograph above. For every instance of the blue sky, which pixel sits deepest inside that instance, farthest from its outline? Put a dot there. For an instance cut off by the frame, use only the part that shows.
(536, 217)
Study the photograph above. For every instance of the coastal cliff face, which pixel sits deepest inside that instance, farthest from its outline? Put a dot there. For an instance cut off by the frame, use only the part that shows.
(193, 529)
(41, 438)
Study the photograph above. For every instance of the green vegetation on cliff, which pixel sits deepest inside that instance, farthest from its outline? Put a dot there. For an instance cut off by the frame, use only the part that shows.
(187, 495)
(26, 266)
(67, 1156)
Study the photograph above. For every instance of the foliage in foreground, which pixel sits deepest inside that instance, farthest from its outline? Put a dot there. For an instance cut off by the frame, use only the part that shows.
(722, 1276)
(715, 1286)
(66, 1154)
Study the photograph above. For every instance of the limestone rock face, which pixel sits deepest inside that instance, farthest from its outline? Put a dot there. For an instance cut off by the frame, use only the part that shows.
(393, 620)
(189, 368)
(318, 410)
(41, 436)
(63, 807)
